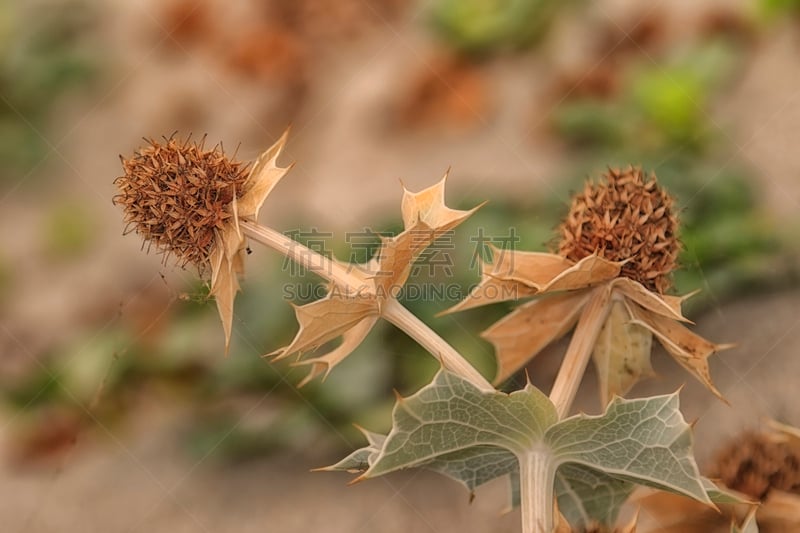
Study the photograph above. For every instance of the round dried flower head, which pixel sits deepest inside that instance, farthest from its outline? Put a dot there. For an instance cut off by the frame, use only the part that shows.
(177, 194)
(625, 217)
(756, 463)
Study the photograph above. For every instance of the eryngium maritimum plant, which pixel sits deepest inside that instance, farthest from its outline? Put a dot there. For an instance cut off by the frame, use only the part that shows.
(618, 247)
(189, 201)
(199, 205)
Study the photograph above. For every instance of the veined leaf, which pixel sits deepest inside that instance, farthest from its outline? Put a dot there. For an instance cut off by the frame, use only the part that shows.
(472, 436)
(451, 415)
(359, 460)
(645, 440)
(587, 496)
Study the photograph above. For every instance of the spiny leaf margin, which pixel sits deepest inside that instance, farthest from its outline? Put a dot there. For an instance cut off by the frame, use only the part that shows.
(472, 436)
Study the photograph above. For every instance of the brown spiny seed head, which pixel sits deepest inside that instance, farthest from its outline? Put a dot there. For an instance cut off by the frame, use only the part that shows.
(756, 463)
(627, 216)
(177, 194)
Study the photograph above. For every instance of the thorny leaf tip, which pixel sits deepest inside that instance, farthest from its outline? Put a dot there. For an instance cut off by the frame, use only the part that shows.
(428, 206)
(229, 245)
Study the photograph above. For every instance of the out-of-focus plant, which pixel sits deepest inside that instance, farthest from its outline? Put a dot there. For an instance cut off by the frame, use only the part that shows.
(481, 26)
(771, 9)
(763, 467)
(618, 247)
(662, 104)
(68, 231)
(45, 52)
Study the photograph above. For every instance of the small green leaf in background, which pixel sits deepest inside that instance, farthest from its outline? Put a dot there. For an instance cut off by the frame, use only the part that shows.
(7, 276)
(772, 9)
(673, 100)
(480, 26)
(46, 50)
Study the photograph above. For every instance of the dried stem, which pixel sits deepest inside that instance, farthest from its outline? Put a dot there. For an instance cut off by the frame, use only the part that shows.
(453, 361)
(580, 348)
(536, 473)
(392, 310)
(303, 255)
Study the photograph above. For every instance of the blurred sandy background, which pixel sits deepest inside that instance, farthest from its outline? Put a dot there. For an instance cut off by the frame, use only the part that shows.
(119, 412)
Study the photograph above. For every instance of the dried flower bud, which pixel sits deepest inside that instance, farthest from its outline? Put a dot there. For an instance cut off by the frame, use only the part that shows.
(177, 195)
(628, 217)
(754, 464)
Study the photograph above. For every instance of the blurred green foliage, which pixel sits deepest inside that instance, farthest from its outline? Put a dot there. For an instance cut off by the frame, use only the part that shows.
(772, 9)
(43, 53)
(69, 230)
(661, 104)
(7, 276)
(672, 101)
(482, 26)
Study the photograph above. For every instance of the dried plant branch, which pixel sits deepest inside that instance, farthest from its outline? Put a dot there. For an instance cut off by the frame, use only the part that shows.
(580, 350)
(199, 205)
(392, 311)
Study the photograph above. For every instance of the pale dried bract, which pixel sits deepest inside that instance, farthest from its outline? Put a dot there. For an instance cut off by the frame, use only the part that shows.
(618, 248)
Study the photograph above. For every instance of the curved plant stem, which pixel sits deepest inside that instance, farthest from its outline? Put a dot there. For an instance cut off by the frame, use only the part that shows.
(580, 348)
(392, 310)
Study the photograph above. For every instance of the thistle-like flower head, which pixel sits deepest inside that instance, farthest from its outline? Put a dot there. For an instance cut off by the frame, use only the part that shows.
(756, 463)
(626, 217)
(617, 250)
(175, 195)
(188, 201)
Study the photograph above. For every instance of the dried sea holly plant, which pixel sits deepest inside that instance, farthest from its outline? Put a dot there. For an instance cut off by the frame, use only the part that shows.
(619, 245)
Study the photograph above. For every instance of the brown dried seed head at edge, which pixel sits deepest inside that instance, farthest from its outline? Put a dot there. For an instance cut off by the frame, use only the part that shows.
(177, 194)
(625, 217)
(755, 464)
